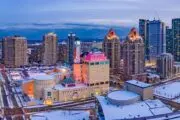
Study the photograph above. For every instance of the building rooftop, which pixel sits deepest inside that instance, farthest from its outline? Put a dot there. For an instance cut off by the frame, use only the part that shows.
(95, 56)
(138, 83)
(61, 87)
(169, 90)
(150, 75)
(136, 110)
(43, 76)
(112, 35)
(69, 81)
(134, 36)
(122, 95)
(61, 115)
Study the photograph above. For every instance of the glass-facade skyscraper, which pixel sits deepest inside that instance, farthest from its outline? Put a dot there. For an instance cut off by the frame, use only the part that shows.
(73, 48)
(144, 31)
(176, 38)
(169, 40)
(157, 39)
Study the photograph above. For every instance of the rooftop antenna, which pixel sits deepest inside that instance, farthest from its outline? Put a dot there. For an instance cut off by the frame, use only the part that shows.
(157, 14)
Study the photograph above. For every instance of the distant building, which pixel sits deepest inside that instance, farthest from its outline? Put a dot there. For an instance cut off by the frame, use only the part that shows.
(176, 69)
(1, 47)
(95, 70)
(133, 54)
(145, 90)
(35, 55)
(144, 33)
(169, 40)
(50, 49)
(77, 51)
(15, 51)
(62, 54)
(165, 65)
(97, 45)
(111, 48)
(58, 85)
(70, 47)
(77, 65)
(157, 42)
(176, 38)
(86, 46)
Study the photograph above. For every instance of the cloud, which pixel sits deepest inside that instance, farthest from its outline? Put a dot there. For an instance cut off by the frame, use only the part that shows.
(120, 12)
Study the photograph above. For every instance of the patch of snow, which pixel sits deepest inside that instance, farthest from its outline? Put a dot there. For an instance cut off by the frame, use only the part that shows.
(62, 115)
(170, 90)
(136, 110)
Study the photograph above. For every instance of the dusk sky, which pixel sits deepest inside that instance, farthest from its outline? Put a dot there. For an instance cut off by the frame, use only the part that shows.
(105, 12)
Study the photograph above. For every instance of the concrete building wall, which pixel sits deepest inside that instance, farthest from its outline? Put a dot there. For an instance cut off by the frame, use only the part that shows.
(165, 65)
(145, 93)
(98, 73)
(50, 49)
(76, 93)
(15, 51)
(133, 55)
(111, 48)
(40, 85)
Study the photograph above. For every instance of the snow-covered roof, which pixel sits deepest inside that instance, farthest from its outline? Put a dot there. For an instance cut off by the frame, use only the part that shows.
(150, 75)
(138, 83)
(168, 90)
(122, 95)
(139, 109)
(61, 87)
(43, 76)
(61, 115)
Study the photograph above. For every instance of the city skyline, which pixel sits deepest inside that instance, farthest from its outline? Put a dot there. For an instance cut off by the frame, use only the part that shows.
(118, 12)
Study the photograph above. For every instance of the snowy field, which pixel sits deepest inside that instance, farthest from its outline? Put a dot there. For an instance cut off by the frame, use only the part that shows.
(62, 115)
(169, 90)
(136, 110)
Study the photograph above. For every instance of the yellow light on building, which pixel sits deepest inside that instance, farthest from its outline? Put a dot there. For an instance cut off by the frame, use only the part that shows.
(97, 93)
(63, 70)
(48, 102)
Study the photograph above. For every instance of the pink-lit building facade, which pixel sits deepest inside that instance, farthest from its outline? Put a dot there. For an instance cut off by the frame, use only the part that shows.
(90, 78)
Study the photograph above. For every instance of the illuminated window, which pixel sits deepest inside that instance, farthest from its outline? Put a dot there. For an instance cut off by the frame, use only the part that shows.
(49, 94)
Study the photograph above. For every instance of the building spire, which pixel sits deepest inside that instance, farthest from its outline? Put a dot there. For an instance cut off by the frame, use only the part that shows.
(112, 35)
(133, 34)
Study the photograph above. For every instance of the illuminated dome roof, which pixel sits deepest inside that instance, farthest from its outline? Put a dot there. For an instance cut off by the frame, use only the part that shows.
(134, 36)
(111, 35)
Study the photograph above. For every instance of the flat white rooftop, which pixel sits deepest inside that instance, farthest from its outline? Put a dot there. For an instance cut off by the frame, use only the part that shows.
(122, 95)
(61, 87)
(41, 76)
(138, 83)
(61, 115)
(168, 90)
(136, 110)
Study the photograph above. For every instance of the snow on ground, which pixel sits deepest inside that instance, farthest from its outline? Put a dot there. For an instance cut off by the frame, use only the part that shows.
(18, 89)
(168, 117)
(177, 100)
(154, 103)
(62, 115)
(161, 110)
(139, 109)
(18, 101)
(16, 75)
(10, 102)
(170, 90)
